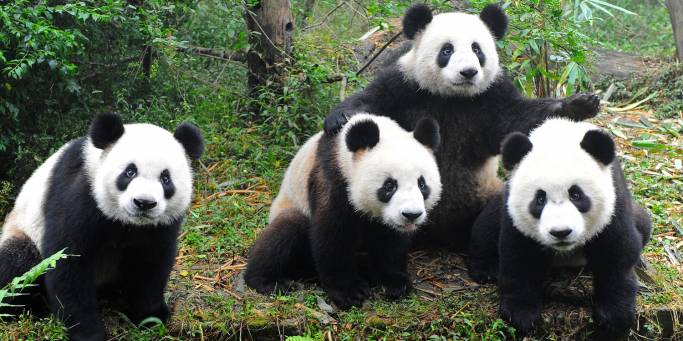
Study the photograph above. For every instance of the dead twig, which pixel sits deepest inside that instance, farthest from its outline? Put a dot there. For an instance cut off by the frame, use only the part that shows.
(378, 53)
(325, 17)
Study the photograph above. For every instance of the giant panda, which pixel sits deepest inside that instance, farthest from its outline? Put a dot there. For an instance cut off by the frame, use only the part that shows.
(115, 199)
(452, 74)
(365, 190)
(566, 204)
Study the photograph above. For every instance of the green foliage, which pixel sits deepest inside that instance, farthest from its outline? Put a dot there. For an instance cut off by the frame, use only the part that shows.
(647, 33)
(55, 70)
(545, 50)
(18, 284)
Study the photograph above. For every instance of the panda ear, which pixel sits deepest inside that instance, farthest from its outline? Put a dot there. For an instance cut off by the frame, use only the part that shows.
(105, 129)
(515, 146)
(427, 132)
(191, 138)
(416, 19)
(363, 134)
(495, 19)
(599, 145)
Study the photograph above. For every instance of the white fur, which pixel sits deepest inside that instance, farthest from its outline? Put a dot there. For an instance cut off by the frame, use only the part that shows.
(461, 30)
(294, 188)
(28, 208)
(152, 149)
(399, 156)
(555, 163)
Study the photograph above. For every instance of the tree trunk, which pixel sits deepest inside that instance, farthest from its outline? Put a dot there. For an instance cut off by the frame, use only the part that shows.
(676, 13)
(271, 35)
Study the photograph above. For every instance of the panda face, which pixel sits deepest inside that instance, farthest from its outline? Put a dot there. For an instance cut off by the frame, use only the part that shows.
(560, 194)
(143, 178)
(392, 175)
(453, 55)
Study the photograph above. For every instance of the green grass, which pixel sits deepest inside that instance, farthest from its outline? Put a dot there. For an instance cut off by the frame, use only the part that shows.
(648, 33)
(240, 174)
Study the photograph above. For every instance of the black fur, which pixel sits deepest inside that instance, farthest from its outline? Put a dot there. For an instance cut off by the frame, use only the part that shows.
(480, 54)
(427, 132)
(537, 204)
(472, 129)
(17, 256)
(135, 260)
(167, 184)
(599, 145)
(363, 134)
(125, 178)
(579, 199)
(519, 263)
(416, 19)
(424, 188)
(444, 55)
(495, 19)
(387, 190)
(330, 242)
(191, 138)
(105, 129)
(514, 147)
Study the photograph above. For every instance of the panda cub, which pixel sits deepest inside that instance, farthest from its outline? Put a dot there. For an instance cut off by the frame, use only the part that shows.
(364, 190)
(115, 199)
(566, 203)
(452, 74)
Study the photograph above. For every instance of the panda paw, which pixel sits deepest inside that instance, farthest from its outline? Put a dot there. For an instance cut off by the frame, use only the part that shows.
(397, 285)
(267, 287)
(334, 122)
(612, 322)
(348, 293)
(482, 273)
(582, 106)
(523, 318)
(139, 314)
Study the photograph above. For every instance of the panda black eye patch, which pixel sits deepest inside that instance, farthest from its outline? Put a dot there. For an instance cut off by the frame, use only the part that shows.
(167, 184)
(444, 55)
(579, 199)
(387, 190)
(124, 179)
(537, 204)
(479, 53)
(422, 184)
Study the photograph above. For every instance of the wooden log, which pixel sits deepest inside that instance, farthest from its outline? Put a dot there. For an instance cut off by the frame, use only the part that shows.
(676, 14)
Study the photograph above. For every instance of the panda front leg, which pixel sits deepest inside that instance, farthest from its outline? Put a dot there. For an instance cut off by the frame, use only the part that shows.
(146, 271)
(333, 244)
(482, 263)
(522, 267)
(388, 258)
(612, 257)
(614, 301)
(528, 114)
(72, 296)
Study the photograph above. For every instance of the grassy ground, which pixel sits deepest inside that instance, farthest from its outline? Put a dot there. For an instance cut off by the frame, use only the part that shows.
(244, 163)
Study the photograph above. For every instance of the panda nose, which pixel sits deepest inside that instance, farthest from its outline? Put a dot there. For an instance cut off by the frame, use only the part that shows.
(561, 234)
(469, 73)
(411, 215)
(145, 204)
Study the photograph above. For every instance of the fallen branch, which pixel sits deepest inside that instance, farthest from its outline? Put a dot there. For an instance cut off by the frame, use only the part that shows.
(378, 53)
(324, 18)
